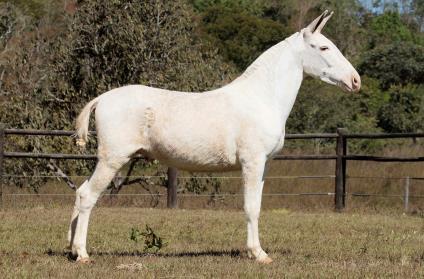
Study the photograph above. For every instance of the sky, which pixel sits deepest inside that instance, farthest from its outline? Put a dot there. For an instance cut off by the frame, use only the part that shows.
(369, 4)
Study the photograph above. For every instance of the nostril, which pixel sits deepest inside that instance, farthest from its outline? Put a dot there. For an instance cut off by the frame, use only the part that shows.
(356, 82)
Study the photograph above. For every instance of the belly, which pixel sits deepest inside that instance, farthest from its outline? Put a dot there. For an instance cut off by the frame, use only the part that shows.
(199, 166)
(201, 150)
(194, 157)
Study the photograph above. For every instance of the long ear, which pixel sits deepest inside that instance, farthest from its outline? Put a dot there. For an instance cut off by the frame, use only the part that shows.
(312, 27)
(323, 22)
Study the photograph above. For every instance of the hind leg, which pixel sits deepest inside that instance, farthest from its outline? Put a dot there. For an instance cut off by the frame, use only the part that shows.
(86, 198)
(74, 220)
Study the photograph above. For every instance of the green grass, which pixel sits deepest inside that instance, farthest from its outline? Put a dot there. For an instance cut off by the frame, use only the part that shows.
(210, 244)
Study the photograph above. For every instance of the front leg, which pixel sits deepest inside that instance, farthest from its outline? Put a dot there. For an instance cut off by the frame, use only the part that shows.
(253, 179)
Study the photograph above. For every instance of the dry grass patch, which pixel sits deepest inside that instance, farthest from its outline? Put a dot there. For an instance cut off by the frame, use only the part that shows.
(206, 243)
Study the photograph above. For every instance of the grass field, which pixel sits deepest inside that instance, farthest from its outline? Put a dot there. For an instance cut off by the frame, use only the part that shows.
(210, 244)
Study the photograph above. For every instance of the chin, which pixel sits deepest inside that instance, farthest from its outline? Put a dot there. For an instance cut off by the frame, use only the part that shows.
(346, 89)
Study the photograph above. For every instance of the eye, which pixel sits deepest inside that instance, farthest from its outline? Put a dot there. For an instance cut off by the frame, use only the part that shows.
(324, 48)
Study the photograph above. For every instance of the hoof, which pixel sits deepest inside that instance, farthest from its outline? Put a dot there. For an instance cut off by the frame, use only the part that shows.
(266, 260)
(83, 260)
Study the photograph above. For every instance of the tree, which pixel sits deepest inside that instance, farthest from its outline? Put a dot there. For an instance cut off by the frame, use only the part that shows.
(324, 108)
(24, 46)
(302, 9)
(105, 44)
(240, 36)
(253, 7)
(388, 28)
(114, 43)
(344, 28)
(394, 64)
(404, 112)
(418, 9)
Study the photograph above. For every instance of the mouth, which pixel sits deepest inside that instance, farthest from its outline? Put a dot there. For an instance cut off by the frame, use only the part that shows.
(340, 83)
(345, 86)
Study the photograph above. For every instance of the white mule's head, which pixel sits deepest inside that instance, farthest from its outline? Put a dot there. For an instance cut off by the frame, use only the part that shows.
(322, 59)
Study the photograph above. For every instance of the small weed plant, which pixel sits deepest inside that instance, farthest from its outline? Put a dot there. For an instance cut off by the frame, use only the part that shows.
(152, 242)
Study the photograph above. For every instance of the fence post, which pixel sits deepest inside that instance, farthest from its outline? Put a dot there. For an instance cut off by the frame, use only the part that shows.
(2, 126)
(340, 181)
(406, 194)
(172, 188)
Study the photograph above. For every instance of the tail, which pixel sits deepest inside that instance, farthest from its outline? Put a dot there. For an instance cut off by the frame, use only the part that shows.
(83, 121)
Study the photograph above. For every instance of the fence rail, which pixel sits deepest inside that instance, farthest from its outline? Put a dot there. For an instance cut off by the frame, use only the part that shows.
(341, 157)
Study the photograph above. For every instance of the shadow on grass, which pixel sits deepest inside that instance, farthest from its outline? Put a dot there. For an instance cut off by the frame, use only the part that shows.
(213, 253)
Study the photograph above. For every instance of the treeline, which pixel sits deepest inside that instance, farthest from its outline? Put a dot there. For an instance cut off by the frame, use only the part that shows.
(386, 48)
(57, 55)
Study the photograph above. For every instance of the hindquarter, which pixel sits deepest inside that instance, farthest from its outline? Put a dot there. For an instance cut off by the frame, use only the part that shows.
(122, 122)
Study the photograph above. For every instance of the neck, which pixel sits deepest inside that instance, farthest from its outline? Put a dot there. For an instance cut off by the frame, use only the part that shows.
(275, 76)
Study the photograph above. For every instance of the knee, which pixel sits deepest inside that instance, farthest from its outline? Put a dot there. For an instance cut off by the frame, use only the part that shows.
(86, 197)
(82, 190)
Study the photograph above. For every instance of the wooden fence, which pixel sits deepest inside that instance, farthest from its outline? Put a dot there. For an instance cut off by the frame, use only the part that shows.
(341, 156)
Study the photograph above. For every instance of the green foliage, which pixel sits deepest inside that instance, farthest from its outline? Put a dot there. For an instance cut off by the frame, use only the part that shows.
(54, 59)
(418, 11)
(114, 43)
(404, 111)
(24, 62)
(253, 7)
(280, 11)
(324, 108)
(240, 36)
(388, 28)
(152, 242)
(344, 28)
(195, 185)
(52, 68)
(394, 64)
(371, 96)
(200, 184)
